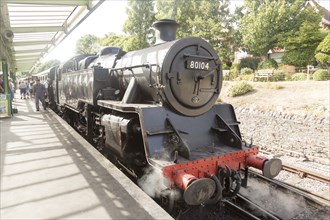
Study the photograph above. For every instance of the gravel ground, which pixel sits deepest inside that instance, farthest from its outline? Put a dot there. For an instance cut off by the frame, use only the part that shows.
(291, 123)
(292, 135)
(303, 145)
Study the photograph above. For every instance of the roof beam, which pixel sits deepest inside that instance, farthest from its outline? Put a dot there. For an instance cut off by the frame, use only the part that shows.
(37, 29)
(36, 56)
(29, 51)
(26, 60)
(49, 2)
(29, 43)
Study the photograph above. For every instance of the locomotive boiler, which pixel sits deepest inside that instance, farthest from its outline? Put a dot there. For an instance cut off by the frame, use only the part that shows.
(156, 107)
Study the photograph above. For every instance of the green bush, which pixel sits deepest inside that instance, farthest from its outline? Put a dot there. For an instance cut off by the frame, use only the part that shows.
(248, 77)
(268, 64)
(246, 71)
(288, 76)
(279, 76)
(321, 75)
(234, 68)
(225, 66)
(249, 62)
(231, 76)
(239, 88)
(299, 77)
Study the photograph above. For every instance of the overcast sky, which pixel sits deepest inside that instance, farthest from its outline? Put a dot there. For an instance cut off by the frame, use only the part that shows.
(109, 17)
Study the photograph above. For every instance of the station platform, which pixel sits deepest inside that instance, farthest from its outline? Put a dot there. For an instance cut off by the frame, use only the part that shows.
(49, 172)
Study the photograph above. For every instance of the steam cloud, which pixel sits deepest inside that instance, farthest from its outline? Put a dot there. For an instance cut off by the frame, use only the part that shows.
(155, 184)
(262, 194)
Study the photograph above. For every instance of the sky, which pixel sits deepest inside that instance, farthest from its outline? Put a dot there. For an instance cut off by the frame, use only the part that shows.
(109, 17)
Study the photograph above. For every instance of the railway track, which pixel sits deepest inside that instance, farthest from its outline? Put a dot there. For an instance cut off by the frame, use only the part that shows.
(304, 173)
(291, 201)
(264, 199)
(250, 210)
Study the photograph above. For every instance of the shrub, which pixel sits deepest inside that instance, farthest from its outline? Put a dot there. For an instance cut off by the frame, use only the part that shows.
(225, 66)
(288, 76)
(279, 76)
(232, 75)
(249, 77)
(321, 75)
(249, 62)
(239, 88)
(299, 77)
(234, 68)
(268, 64)
(246, 71)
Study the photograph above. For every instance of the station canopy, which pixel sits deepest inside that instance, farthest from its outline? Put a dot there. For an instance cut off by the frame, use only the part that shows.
(32, 28)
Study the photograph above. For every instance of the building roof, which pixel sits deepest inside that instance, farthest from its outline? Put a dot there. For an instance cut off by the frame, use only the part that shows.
(32, 28)
(326, 13)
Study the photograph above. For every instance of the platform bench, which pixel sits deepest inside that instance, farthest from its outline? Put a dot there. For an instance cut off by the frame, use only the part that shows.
(263, 74)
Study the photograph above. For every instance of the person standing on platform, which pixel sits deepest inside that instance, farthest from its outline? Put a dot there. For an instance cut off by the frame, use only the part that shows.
(11, 89)
(22, 88)
(28, 90)
(39, 92)
(2, 86)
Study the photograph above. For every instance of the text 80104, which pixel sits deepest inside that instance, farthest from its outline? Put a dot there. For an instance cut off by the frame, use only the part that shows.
(197, 65)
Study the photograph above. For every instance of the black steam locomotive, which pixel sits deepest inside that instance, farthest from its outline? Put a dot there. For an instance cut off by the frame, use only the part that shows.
(156, 107)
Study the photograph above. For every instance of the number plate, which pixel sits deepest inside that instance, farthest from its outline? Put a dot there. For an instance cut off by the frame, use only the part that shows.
(197, 64)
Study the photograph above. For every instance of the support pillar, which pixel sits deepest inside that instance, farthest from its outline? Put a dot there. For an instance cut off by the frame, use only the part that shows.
(5, 99)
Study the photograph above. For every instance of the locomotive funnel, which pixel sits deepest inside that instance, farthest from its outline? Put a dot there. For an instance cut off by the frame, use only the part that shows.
(165, 30)
(196, 191)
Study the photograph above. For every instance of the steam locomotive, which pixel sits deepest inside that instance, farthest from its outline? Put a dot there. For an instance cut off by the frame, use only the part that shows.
(157, 108)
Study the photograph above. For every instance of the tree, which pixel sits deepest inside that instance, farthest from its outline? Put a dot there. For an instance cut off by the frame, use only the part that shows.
(180, 10)
(323, 51)
(213, 22)
(167, 9)
(87, 44)
(44, 66)
(266, 23)
(300, 45)
(140, 18)
(113, 40)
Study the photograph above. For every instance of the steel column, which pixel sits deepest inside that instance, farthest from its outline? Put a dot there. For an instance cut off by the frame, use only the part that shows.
(6, 99)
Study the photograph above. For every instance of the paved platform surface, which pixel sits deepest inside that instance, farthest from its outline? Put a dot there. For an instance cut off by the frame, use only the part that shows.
(49, 172)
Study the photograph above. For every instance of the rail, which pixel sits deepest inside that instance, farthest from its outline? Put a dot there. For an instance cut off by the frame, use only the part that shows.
(312, 198)
(304, 173)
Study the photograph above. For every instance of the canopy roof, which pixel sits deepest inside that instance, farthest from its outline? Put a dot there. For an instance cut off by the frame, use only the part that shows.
(32, 28)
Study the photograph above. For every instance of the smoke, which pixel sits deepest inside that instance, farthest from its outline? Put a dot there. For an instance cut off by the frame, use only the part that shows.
(284, 204)
(155, 184)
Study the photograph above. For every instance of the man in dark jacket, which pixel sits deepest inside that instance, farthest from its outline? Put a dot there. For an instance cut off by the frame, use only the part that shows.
(39, 92)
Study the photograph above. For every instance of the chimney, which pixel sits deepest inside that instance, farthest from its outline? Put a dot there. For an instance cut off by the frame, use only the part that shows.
(165, 30)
